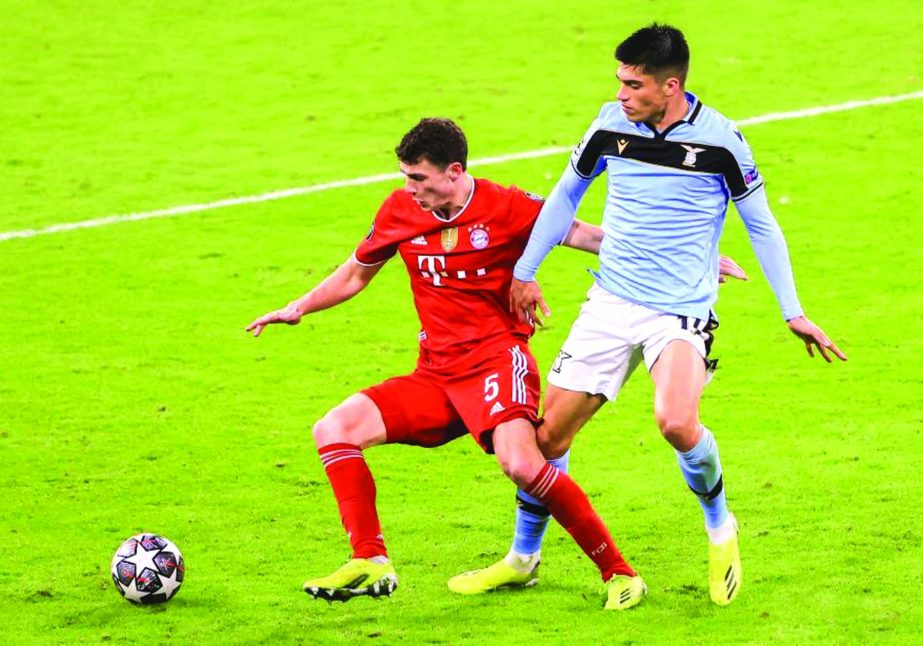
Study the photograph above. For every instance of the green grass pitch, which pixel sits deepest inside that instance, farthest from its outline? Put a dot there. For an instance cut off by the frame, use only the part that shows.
(131, 399)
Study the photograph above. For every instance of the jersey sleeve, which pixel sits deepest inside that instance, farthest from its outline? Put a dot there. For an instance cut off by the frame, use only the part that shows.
(771, 250)
(742, 177)
(381, 242)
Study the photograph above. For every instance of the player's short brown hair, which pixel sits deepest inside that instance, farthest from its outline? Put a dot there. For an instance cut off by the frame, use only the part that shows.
(438, 141)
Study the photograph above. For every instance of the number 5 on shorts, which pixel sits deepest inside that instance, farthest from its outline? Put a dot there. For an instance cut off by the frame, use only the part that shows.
(491, 387)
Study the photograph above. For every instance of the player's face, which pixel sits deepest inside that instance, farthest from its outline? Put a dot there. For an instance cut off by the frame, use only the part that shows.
(643, 96)
(431, 187)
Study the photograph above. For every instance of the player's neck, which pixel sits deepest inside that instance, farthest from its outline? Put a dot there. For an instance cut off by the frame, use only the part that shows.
(459, 200)
(677, 109)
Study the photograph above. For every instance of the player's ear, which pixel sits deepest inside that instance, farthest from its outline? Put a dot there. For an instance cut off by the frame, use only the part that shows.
(454, 170)
(672, 86)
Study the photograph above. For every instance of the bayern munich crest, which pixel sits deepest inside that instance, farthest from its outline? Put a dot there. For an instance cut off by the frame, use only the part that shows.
(479, 236)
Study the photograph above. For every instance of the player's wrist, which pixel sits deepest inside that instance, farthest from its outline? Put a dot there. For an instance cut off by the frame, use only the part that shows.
(297, 307)
(524, 276)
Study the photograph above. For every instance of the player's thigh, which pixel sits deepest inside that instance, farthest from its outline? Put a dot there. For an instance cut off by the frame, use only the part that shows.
(599, 354)
(503, 386)
(416, 410)
(659, 331)
(679, 378)
(357, 420)
(565, 413)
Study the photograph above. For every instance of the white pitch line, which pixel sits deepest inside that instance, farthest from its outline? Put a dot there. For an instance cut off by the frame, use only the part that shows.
(385, 177)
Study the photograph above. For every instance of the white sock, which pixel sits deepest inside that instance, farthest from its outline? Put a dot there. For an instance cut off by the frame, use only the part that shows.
(521, 562)
(724, 532)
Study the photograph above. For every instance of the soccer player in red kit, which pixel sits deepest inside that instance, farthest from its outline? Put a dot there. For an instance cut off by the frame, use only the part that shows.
(459, 238)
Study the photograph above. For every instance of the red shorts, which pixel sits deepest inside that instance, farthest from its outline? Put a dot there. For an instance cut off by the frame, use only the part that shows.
(429, 409)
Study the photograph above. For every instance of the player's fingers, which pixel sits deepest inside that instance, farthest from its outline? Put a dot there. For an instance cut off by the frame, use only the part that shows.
(823, 352)
(839, 353)
(544, 307)
(257, 329)
(810, 348)
(522, 314)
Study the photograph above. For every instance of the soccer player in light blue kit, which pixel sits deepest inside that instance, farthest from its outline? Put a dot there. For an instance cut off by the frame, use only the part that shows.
(672, 165)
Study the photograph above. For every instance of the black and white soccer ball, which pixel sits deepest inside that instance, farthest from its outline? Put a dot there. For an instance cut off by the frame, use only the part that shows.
(148, 568)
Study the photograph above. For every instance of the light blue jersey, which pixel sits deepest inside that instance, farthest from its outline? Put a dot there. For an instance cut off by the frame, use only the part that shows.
(667, 198)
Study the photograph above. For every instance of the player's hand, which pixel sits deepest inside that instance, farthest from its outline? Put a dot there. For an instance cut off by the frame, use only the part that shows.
(812, 336)
(727, 267)
(525, 301)
(289, 314)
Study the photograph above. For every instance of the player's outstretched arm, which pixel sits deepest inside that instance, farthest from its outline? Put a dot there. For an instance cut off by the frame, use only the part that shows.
(346, 281)
(772, 252)
(813, 336)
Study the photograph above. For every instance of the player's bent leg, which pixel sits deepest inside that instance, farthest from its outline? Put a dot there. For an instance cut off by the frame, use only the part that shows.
(340, 436)
(519, 456)
(520, 459)
(566, 412)
(679, 376)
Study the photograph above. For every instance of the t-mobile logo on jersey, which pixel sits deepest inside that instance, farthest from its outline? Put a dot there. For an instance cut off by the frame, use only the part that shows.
(430, 262)
(434, 267)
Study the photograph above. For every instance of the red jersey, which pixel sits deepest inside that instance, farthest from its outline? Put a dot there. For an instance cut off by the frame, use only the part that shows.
(460, 269)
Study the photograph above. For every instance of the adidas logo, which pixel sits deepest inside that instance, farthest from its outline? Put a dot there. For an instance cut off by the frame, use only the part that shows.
(496, 408)
(419, 240)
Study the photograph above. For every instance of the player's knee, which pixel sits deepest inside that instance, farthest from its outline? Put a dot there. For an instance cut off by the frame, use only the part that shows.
(518, 468)
(356, 421)
(328, 430)
(678, 427)
(339, 425)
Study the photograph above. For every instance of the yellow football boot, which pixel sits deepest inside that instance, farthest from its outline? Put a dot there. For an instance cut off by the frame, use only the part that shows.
(499, 575)
(724, 572)
(357, 578)
(624, 592)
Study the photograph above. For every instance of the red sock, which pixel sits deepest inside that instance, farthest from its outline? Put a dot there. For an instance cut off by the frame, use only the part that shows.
(570, 507)
(354, 489)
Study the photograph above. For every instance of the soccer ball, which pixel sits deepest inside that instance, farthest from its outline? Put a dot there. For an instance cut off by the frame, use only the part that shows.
(148, 569)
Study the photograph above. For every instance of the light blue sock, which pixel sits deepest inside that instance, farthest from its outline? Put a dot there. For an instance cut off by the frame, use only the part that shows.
(701, 468)
(532, 516)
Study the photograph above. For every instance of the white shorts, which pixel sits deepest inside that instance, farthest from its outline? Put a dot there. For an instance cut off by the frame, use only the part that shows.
(611, 335)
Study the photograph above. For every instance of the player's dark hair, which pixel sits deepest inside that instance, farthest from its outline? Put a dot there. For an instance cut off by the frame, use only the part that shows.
(658, 50)
(439, 141)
